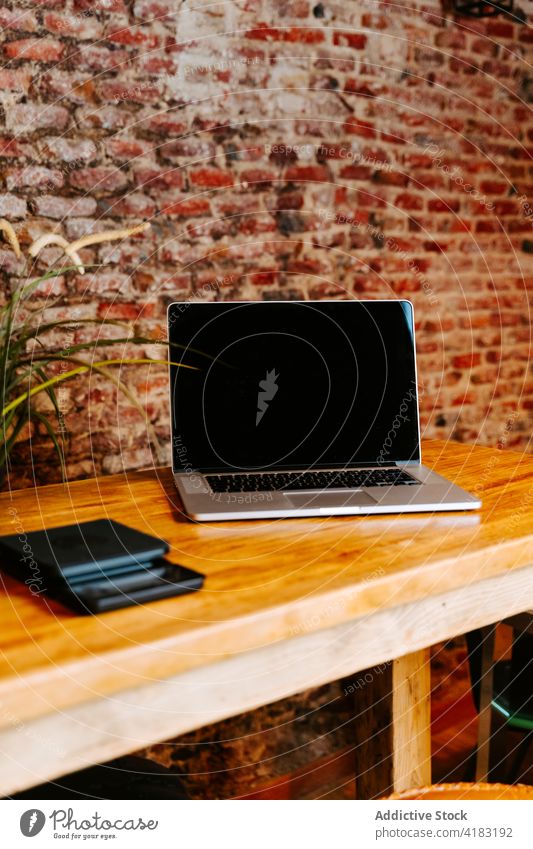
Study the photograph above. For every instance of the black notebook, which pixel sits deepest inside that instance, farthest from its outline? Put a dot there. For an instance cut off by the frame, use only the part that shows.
(77, 549)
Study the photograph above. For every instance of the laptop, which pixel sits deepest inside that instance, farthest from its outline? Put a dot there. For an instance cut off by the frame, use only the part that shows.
(299, 408)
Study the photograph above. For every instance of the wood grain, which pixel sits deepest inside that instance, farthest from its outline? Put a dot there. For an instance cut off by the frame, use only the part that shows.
(105, 727)
(266, 581)
(411, 716)
(391, 727)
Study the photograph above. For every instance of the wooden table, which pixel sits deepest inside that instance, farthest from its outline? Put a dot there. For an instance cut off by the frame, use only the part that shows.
(287, 605)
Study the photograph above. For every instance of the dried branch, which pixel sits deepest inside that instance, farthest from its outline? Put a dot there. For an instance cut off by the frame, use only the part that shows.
(55, 239)
(7, 228)
(108, 236)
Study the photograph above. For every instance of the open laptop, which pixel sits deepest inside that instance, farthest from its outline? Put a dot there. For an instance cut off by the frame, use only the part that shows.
(299, 408)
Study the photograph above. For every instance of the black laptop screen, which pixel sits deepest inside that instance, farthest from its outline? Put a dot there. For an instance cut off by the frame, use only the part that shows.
(292, 384)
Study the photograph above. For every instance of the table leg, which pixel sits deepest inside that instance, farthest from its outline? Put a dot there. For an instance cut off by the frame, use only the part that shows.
(485, 702)
(411, 721)
(392, 726)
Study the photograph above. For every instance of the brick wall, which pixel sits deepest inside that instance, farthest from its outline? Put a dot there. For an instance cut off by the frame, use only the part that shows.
(281, 149)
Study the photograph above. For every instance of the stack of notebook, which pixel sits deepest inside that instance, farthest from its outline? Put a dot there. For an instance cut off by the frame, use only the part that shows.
(95, 566)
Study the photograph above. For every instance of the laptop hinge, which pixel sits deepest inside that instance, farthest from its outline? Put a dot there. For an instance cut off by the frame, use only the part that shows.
(274, 470)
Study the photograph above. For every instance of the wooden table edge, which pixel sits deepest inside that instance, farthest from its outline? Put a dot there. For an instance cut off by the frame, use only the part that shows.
(36, 693)
(94, 731)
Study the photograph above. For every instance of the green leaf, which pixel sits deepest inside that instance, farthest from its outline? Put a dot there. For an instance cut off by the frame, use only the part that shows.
(59, 449)
(58, 378)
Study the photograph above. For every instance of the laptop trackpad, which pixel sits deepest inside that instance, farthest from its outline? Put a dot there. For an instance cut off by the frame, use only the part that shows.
(398, 495)
(327, 500)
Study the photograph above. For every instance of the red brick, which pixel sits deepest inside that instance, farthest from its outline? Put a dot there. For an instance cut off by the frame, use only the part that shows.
(250, 53)
(18, 80)
(12, 148)
(165, 124)
(136, 205)
(501, 69)
(265, 33)
(135, 37)
(140, 91)
(418, 160)
(264, 277)
(25, 118)
(520, 226)
(357, 40)
(393, 138)
(18, 19)
(159, 9)
(187, 207)
(304, 266)
(356, 127)
(484, 47)
(70, 150)
(435, 182)
(303, 36)
(453, 37)
(158, 178)
(251, 226)
(12, 207)
(293, 9)
(428, 58)
(73, 25)
(188, 147)
(466, 361)
(505, 207)
(125, 312)
(435, 247)
(92, 57)
(458, 225)
(464, 398)
(500, 29)
(35, 176)
(281, 154)
(156, 64)
(439, 205)
(331, 151)
(210, 177)
(99, 179)
(41, 49)
(106, 117)
(62, 86)
(494, 187)
(286, 200)
(370, 199)
(127, 149)
(374, 22)
(352, 86)
(51, 206)
(390, 178)
(87, 6)
(406, 200)
(257, 178)
(355, 172)
(306, 173)
(526, 35)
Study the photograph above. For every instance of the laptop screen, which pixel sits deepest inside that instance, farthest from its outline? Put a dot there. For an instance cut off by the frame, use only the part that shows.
(292, 384)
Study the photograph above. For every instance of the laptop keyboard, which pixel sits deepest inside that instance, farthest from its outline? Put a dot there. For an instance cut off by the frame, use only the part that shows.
(341, 479)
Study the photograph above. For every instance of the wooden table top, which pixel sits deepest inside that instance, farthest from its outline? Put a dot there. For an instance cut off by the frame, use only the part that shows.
(267, 581)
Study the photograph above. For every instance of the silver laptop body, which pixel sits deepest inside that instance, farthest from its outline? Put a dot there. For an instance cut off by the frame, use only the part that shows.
(299, 408)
